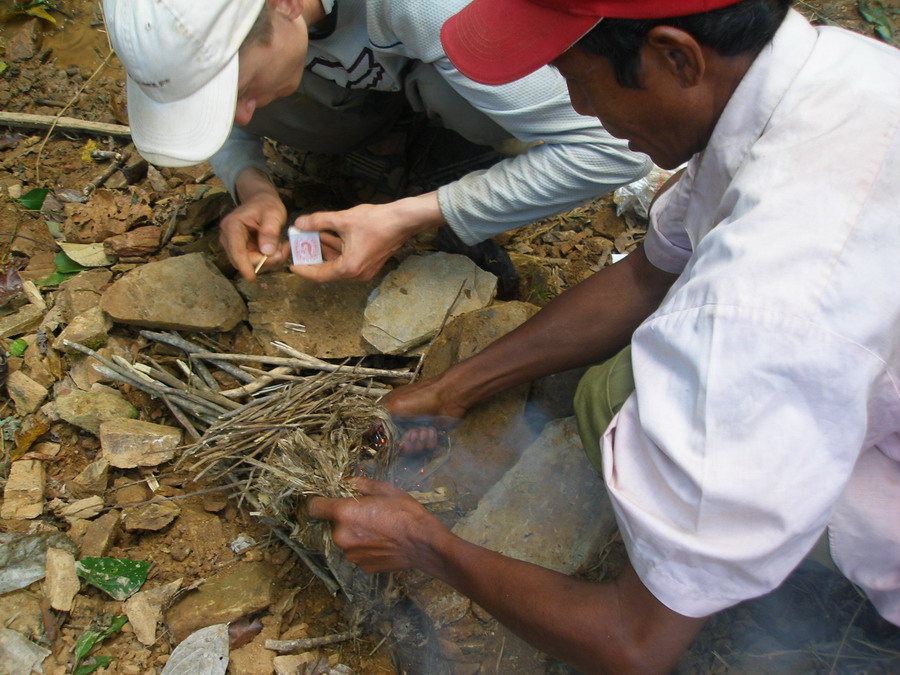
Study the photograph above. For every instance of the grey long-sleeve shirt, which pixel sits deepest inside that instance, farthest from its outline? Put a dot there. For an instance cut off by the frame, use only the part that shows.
(576, 160)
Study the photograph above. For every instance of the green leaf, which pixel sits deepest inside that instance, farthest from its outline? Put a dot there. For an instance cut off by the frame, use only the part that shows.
(86, 642)
(92, 664)
(54, 279)
(65, 265)
(3, 66)
(18, 347)
(66, 268)
(876, 14)
(120, 578)
(33, 199)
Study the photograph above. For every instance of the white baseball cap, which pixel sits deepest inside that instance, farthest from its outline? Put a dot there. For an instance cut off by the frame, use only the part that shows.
(181, 57)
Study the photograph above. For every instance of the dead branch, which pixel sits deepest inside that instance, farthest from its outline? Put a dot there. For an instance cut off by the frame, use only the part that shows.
(283, 374)
(311, 643)
(301, 361)
(219, 360)
(104, 175)
(29, 121)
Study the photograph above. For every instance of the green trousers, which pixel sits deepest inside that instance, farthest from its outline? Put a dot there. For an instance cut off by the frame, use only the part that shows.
(601, 392)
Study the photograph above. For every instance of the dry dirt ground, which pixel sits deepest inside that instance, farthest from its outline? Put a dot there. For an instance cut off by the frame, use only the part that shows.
(70, 72)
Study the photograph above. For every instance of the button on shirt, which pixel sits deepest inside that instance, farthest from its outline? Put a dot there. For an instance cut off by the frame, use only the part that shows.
(767, 401)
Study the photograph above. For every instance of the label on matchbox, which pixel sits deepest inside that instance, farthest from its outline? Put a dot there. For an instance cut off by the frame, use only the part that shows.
(305, 247)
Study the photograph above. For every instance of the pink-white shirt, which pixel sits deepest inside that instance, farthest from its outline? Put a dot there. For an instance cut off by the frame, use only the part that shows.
(767, 401)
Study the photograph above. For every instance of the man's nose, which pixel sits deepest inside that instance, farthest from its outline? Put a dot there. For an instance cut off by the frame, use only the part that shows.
(244, 111)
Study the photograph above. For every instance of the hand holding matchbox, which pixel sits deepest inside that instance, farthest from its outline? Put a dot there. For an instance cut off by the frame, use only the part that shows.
(305, 247)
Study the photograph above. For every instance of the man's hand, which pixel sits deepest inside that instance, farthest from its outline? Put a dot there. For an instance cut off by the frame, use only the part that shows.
(253, 229)
(612, 627)
(421, 410)
(358, 241)
(382, 530)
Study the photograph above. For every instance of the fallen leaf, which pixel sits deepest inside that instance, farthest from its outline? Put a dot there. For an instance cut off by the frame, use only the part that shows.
(87, 255)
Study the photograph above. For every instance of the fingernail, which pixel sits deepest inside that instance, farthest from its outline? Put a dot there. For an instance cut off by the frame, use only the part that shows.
(300, 223)
(267, 249)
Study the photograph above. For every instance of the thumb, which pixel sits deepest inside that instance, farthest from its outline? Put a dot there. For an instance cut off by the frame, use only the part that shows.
(315, 222)
(269, 234)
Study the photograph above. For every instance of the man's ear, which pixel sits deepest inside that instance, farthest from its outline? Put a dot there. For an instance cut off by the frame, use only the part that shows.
(678, 53)
(288, 8)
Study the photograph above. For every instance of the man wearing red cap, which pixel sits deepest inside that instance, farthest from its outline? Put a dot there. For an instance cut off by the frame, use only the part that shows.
(760, 402)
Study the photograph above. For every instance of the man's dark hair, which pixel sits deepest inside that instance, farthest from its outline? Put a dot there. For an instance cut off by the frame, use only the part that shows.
(746, 26)
(261, 30)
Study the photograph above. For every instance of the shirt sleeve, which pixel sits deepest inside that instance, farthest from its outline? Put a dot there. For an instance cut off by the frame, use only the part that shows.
(725, 465)
(575, 161)
(667, 243)
(240, 151)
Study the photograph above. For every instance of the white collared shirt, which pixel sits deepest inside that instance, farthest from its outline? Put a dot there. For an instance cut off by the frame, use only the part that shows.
(767, 401)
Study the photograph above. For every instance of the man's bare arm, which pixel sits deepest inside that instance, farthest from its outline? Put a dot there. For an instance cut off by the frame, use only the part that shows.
(612, 627)
(583, 326)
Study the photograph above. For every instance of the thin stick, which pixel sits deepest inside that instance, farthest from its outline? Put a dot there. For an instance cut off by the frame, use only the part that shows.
(37, 164)
(103, 176)
(173, 498)
(175, 340)
(110, 369)
(267, 378)
(277, 375)
(182, 419)
(262, 261)
(321, 574)
(311, 643)
(300, 360)
(29, 121)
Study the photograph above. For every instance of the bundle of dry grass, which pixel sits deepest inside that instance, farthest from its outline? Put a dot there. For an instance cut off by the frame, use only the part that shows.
(306, 439)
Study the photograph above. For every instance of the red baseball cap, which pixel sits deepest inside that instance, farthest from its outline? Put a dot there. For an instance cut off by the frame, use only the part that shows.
(498, 41)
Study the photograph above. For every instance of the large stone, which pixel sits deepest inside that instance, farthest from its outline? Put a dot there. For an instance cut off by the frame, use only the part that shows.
(92, 480)
(80, 509)
(128, 443)
(181, 293)
(23, 496)
(24, 43)
(413, 302)
(83, 291)
(559, 524)
(21, 611)
(25, 320)
(19, 654)
(494, 432)
(144, 610)
(140, 241)
(246, 589)
(27, 394)
(62, 583)
(472, 332)
(332, 314)
(90, 328)
(150, 517)
(88, 411)
(40, 367)
(99, 535)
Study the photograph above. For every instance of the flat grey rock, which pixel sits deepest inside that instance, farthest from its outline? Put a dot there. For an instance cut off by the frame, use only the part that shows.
(412, 302)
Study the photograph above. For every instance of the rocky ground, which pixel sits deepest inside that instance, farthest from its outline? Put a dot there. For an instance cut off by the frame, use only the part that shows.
(90, 456)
